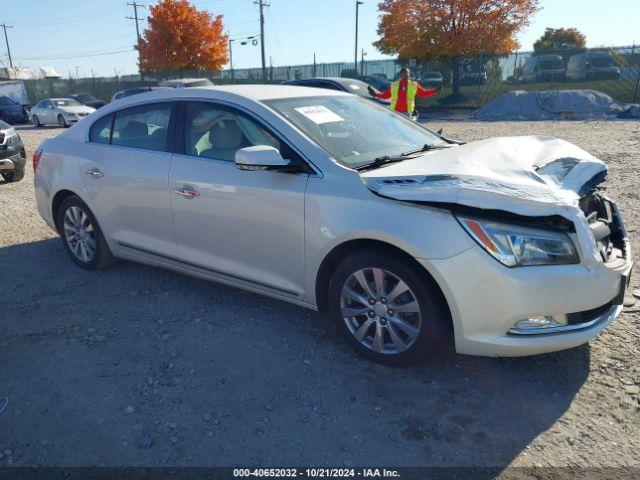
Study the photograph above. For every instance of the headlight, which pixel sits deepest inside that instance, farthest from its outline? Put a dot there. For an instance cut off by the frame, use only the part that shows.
(14, 141)
(517, 246)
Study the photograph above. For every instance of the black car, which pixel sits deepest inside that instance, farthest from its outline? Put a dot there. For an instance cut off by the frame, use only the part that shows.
(12, 112)
(12, 154)
(135, 91)
(88, 100)
(350, 85)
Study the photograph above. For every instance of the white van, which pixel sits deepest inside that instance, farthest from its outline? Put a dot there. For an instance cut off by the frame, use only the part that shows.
(592, 65)
(543, 68)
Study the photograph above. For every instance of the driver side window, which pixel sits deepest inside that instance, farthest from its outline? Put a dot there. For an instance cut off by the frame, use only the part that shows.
(218, 133)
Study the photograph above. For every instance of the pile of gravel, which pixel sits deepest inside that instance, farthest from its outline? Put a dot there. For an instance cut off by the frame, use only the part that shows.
(555, 105)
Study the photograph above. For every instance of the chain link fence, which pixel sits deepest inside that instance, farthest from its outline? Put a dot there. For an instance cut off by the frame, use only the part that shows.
(464, 82)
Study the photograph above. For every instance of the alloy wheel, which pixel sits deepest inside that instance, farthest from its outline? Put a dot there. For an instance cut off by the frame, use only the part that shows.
(380, 310)
(79, 234)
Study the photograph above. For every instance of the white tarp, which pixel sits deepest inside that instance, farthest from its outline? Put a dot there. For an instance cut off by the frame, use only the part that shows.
(530, 176)
(551, 105)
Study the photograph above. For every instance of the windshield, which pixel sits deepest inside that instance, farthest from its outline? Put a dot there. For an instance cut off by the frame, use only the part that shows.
(66, 102)
(84, 97)
(6, 101)
(353, 130)
(602, 61)
(551, 63)
(355, 86)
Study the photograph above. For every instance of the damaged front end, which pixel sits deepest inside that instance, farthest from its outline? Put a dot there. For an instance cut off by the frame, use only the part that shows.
(531, 181)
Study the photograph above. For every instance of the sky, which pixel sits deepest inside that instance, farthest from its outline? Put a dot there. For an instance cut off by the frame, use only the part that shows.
(85, 37)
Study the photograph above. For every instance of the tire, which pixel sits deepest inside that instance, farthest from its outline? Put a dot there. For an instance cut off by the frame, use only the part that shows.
(417, 335)
(14, 176)
(36, 121)
(75, 214)
(62, 122)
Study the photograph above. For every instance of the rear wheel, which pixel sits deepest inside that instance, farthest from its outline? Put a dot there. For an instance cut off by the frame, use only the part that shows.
(386, 309)
(36, 121)
(81, 235)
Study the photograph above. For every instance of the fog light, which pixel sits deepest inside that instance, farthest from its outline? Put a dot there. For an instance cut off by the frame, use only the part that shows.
(534, 324)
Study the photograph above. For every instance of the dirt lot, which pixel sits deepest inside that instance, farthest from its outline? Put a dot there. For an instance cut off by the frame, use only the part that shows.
(139, 366)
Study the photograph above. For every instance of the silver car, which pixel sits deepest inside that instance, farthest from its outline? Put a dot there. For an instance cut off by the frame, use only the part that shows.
(332, 202)
(63, 112)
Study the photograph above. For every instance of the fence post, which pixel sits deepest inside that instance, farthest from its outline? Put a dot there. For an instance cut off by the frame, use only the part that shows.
(480, 76)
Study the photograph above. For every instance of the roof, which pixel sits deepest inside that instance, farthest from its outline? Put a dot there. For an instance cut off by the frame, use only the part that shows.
(254, 92)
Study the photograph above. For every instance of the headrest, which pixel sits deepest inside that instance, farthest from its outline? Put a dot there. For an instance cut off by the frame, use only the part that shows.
(134, 129)
(226, 135)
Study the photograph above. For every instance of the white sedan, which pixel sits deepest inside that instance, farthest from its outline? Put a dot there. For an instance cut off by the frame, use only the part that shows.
(59, 111)
(335, 203)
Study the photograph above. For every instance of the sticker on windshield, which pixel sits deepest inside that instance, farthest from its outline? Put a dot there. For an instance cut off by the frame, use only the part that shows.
(353, 86)
(319, 114)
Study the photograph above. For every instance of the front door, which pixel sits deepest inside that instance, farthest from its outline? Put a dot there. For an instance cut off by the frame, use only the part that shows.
(247, 226)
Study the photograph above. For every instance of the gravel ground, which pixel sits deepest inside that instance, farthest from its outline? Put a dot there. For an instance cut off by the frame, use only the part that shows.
(140, 366)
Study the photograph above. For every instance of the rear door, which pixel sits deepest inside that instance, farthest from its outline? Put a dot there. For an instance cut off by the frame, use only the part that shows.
(247, 226)
(126, 176)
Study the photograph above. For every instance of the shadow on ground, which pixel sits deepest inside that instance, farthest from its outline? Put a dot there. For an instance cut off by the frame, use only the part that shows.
(138, 366)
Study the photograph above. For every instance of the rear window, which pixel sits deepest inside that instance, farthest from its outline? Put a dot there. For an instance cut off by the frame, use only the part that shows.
(101, 130)
(145, 126)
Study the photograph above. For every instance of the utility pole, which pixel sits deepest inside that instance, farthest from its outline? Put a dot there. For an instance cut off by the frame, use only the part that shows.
(6, 39)
(231, 60)
(262, 4)
(355, 61)
(135, 6)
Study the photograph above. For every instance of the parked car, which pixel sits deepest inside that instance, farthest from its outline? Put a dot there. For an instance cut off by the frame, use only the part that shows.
(187, 83)
(333, 202)
(60, 111)
(432, 80)
(350, 85)
(12, 154)
(377, 81)
(544, 68)
(472, 74)
(134, 91)
(88, 100)
(12, 112)
(592, 65)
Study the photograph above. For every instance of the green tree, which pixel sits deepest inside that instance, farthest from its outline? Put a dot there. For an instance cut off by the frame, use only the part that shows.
(560, 39)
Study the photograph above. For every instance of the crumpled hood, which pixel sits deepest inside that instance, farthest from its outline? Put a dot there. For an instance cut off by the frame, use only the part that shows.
(529, 175)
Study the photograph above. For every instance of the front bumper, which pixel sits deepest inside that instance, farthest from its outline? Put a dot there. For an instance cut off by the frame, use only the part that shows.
(13, 162)
(486, 299)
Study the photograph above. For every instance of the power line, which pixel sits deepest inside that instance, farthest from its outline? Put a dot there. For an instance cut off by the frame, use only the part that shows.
(79, 55)
(6, 39)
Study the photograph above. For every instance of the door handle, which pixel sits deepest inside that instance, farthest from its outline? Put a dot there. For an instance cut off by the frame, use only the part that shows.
(187, 192)
(94, 172)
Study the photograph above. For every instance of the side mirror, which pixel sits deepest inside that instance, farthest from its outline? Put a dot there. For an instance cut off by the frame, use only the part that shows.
(260, 157)
(50, 107)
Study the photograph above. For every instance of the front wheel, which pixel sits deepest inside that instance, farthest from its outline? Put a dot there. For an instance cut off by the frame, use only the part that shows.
(14, 176)
(387, 309)
(81, 235)
(62, 121)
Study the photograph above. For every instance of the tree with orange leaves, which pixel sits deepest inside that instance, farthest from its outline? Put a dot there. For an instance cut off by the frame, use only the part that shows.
(451, 29)
(180, 37)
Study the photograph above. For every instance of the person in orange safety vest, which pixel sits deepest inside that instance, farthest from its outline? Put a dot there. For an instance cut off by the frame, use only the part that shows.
(403, 93)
